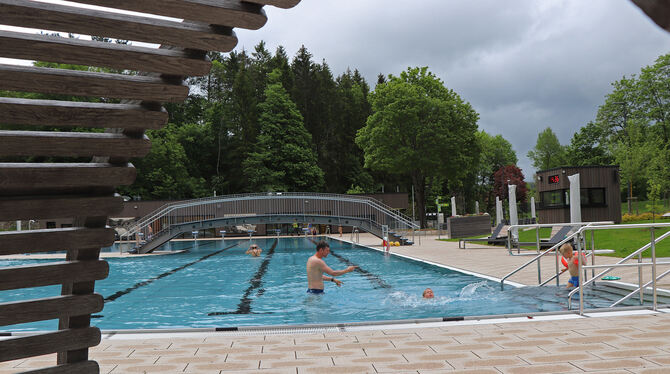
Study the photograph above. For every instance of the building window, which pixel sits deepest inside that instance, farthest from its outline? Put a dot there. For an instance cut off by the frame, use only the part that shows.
(592, 197)
(51, 224)
(552, 199)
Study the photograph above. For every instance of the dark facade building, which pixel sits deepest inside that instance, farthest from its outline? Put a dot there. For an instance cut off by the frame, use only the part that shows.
(600, 193)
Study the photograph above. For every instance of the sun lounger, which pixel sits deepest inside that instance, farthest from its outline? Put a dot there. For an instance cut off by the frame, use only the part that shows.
(494, 238)
(561, 234)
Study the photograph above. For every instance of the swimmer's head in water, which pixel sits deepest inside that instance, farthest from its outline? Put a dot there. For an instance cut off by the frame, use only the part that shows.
(428, 293)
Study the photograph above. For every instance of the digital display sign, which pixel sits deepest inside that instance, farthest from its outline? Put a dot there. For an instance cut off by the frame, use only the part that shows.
(553, 179)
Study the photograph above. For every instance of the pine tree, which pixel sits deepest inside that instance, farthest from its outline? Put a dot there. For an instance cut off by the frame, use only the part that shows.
(282, 158)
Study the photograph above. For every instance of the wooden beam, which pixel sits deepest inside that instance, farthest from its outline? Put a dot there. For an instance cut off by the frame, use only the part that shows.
(285, 4)
(28, 177)
(232, 13)
(71, 144)
(84, 367)
(86, 83)
(36, 241)
(63, 18)
(657, 10)
(25, 276)
(46, 207)
(80, 114)
(42, 344)
(13, 313)
(92, 53)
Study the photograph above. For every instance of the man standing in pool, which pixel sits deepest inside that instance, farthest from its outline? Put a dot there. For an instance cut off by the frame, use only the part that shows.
(316, 266)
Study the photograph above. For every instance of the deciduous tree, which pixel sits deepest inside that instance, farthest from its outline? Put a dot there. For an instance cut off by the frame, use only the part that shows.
(419, 128)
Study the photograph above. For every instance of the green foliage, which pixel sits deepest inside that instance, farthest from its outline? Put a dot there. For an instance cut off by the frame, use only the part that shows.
(416, 124)
(548, 152)
(635, 125)
(282, 159)
(496, 152)
(163, 173)
(586, 147)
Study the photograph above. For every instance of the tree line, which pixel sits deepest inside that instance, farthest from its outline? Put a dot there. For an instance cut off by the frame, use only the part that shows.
(631, 129)
(263, 121)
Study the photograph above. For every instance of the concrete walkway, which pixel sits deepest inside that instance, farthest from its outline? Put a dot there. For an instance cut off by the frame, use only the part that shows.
(613, 343)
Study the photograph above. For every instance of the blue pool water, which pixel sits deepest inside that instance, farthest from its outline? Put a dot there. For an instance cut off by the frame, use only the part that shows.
(214, 284)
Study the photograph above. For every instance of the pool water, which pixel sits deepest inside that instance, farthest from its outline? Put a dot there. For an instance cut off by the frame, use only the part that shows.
(214, 284)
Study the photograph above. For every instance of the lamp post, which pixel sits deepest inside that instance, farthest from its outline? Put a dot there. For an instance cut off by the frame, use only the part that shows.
(623, 126)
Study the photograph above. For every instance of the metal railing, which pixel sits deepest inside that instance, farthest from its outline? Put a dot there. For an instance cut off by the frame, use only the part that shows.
(267, 204)
(621, 264)
(554, 248)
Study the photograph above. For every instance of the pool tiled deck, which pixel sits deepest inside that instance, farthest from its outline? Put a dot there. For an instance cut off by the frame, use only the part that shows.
(638, 342)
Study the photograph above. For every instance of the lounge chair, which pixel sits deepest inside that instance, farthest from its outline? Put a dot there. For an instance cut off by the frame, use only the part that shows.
(561, 234)
(493, 239)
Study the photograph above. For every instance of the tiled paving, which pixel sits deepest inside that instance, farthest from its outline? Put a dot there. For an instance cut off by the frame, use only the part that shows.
(599, 342)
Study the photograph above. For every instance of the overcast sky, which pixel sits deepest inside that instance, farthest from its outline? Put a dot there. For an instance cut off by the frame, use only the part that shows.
(523, 65)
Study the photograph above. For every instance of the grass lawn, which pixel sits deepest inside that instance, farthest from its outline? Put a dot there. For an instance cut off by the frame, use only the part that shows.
(639, 207)
(622, 241)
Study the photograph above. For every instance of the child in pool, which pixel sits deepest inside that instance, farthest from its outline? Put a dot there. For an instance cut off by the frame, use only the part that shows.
(567, 252)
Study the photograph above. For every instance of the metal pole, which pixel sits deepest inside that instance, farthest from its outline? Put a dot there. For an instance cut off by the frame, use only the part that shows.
(593, 256)
(413, 217)
(653, 267)
(579, 272)
(537, 241)
(639, 278)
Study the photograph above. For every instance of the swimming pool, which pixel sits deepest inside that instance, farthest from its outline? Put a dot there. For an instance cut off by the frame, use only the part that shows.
(214, 284)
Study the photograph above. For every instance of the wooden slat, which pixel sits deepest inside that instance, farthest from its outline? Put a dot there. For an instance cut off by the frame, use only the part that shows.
(657, 10)
(85, 367)
(13, 313)
(232, 13)
(25, 276)
(86, 83)
(42, 344)
(71, 144)
(35, 241)
(64, 18)
(285, 4)
(49, 207)
(81, 114)
(29, 177)
(92, 53)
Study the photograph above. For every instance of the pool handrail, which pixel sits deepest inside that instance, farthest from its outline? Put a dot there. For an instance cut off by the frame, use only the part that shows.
(620, 263)
(536, 258)
(638, 289)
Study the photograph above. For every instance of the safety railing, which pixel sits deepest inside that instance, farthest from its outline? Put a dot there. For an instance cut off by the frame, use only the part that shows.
(159, 221)
(553, 248)
(622, 263)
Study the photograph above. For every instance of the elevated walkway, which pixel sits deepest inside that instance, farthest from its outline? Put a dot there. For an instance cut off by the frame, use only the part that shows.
(364, 213)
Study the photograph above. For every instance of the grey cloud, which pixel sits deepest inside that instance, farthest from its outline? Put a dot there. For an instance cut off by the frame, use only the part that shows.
(523, 65)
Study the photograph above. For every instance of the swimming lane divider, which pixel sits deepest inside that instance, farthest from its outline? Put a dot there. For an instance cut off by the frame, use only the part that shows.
(244, 307)
(151, 280)
(374, 278)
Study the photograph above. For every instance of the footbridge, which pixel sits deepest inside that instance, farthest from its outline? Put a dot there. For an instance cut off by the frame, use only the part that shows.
(364, 213)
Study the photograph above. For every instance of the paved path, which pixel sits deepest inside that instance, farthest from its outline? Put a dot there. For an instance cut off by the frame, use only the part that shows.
(638, 342)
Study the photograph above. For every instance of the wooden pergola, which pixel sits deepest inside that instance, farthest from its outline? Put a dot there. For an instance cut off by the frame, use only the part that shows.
(85, 191)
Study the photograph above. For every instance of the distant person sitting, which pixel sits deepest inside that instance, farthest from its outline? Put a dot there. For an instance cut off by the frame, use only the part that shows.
(572, 261)
(254, 250)
(428, 293)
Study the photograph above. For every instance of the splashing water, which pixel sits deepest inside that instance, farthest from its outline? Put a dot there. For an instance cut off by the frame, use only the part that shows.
(471, 288)
(403, 299)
